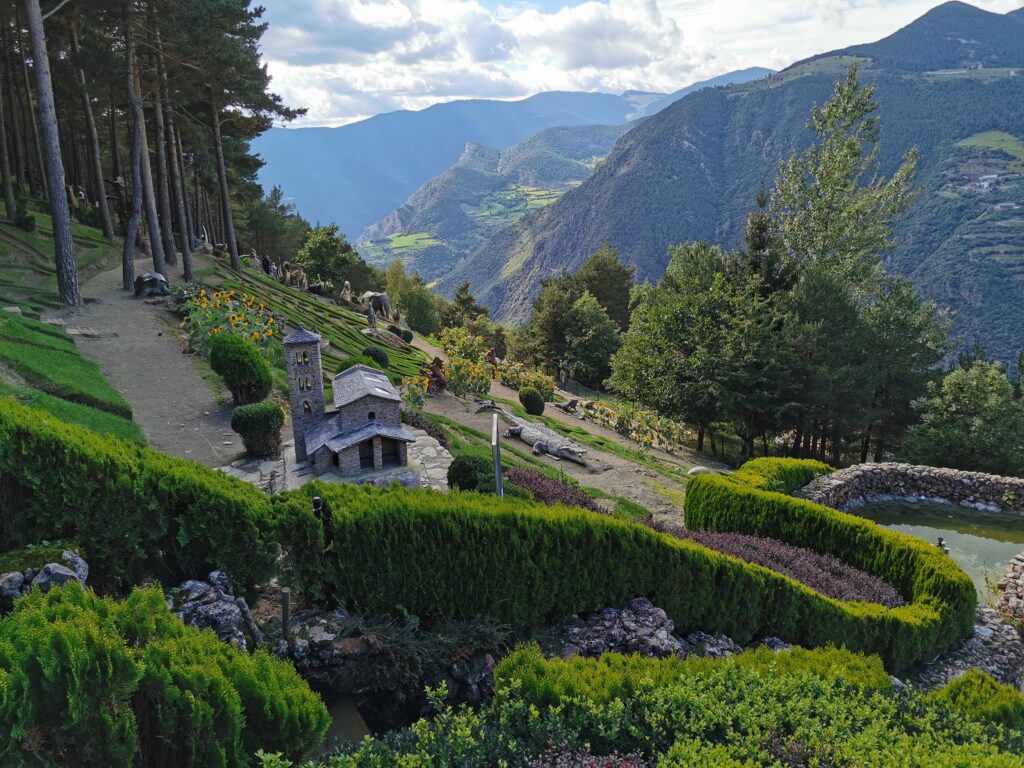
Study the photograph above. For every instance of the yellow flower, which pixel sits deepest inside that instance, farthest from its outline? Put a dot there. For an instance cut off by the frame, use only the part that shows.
(269, 332)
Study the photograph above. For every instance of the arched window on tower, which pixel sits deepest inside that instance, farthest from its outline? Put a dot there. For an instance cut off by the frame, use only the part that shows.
(306, 407)
(309, 383)
(305, 358)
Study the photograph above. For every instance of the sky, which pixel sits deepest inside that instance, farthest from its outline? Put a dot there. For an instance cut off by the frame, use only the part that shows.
(346, 60)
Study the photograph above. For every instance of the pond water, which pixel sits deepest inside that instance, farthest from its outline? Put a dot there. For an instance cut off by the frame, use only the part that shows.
(347, 725)
(983, 545)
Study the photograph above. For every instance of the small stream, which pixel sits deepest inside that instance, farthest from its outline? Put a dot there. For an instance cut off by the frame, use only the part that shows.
(982, 545)
(347, 725)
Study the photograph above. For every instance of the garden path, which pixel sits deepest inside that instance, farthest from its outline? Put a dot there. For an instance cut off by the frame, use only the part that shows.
(141, 350)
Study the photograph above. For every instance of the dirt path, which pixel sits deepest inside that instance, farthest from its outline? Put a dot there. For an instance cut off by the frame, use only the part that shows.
(140, 349)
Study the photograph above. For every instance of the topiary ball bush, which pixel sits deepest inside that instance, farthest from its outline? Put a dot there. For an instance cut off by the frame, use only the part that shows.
(532, 401)
(240, 364)
(395, 330)
(470, 473)
(259, 424)
(378, 355)
(407, 336)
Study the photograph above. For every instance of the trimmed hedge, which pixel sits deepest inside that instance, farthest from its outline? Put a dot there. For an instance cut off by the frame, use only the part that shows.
(259, 424)
(942, 599)
(462, 554)
(781, 475)
(136, 512)
(979, 697)
(93, 682)
(531, 400)
(379, 355)
(245, 372)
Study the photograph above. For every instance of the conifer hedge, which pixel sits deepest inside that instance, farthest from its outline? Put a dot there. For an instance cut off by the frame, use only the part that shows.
(93, 682)
(442, 555)
(941, 597)
(137, 512)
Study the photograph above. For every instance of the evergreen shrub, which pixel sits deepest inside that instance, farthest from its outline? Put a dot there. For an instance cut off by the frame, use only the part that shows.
(348, 362)
(470, 472)
(259, 424)
(245, 372)
(527, 564)
(979, 697)
(90, 681)
(531, 401)
(407, 335)
(137, 512)
(378, 355)
(781, 475)
(395, 330)
(941, 597)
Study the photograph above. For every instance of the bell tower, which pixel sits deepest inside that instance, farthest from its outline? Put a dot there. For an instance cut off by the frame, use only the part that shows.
(305, 384)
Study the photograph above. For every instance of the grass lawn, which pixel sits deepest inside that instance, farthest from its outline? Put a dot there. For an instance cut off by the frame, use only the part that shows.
(74, 413)
(999, 141)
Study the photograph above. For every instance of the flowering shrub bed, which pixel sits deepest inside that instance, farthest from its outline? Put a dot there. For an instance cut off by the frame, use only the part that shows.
(543, 488)
(516, 376)
(826, 574)
(458, 342)
(640, 425)
(466, 371)
(205, 314)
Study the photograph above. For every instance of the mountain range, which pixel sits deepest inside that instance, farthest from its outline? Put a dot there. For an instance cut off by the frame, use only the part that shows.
(950, 84)
(356, 174)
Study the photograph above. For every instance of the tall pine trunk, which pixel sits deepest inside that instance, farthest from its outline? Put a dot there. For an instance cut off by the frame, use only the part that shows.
(37, 143)
(222, 178)
(131, 229)
(148, 196)
(94, 139)
(177, 189)
(5, 165)
(160, 143)
(64, 246)
(18, 167)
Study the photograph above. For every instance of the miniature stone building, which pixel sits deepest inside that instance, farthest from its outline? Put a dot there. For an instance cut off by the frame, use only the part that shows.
(363, 433)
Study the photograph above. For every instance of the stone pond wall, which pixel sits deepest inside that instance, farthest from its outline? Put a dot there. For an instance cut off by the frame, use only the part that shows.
(865, 483)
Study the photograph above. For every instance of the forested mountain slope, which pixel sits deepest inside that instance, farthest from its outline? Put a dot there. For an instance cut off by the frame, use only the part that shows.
(453, 214)
(358, 173)
(691, 172)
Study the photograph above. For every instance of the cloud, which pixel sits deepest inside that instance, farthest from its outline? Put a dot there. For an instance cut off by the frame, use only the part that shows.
(349, 59)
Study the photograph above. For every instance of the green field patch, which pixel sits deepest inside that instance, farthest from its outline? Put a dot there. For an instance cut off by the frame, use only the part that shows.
(75, 413)
(998, 141)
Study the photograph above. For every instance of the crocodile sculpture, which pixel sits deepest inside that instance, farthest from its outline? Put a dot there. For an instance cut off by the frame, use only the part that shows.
(540, 438)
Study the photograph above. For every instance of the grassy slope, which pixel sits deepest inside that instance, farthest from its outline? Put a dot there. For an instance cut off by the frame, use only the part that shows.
(341, 327)
(43, 367)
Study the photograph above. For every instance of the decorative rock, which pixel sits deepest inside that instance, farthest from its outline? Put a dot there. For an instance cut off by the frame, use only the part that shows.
(11, 587)
(77, 564)
(995, 648)
(715, 646)
(639, 628)
(13, 310)
(212, 605)
(53, 575)
(776, 644)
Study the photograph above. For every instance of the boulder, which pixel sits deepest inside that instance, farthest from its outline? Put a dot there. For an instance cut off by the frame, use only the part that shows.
(76, 564)
(212, 605)
(53, 575)
(641, 627)
(11, 587)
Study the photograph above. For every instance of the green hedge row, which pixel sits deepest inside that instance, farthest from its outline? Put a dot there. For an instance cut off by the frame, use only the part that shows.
(442, 555)
(781, 475)
(92, 682)
(137, 512)
(942, 599)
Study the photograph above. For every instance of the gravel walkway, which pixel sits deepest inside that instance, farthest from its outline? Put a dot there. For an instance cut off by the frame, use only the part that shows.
(140, 349)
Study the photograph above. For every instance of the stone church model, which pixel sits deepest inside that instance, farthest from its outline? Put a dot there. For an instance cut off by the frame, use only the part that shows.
(363, 433)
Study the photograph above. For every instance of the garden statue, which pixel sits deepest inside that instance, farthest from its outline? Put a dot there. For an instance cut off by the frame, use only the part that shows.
(265, 263)
(436, 382)
(540, 438)
(151, 284)
(492, 360)
(379, 301)
(371, 317)
(346, 293)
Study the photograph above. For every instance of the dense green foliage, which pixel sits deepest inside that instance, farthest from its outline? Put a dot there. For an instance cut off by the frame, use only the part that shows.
(327, 255)
(941, 597)
(799, 332)
(795, 709)
(471, 472)
(86, 416)
(348, 362)
(37, 555)
(972, 420)
(780, 475)
(979, 697)
(90, 681)
(531, 400)
(245, 371)
(379, 356)
(135, 511)
(259, 424)
(452, 555)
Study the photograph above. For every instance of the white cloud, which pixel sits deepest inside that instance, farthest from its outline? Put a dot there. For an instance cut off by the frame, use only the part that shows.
(350, 59)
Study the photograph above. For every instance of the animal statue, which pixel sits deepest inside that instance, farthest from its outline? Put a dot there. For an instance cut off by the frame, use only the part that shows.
(436, 381)
(265, 263)
(346, 293)
(151, 284)
(540, 438)
(379, 301)
(371, 317)
(492, 360)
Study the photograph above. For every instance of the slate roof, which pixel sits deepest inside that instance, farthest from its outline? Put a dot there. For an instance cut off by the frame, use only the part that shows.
(328, 433)
(301, 336)
(361, 381)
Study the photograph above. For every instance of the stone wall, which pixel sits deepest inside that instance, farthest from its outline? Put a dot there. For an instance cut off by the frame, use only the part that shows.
(850, 488)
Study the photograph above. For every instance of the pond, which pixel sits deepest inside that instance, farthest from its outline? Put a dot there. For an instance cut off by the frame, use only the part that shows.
(983, 545)
(347, 725)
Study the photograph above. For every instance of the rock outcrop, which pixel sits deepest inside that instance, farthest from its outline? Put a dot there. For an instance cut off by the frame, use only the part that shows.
(15, 584)
(995, 647)
(212, 604)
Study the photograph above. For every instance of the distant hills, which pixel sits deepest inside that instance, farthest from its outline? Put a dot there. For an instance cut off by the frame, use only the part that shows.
(356, 174)
(951, 84)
